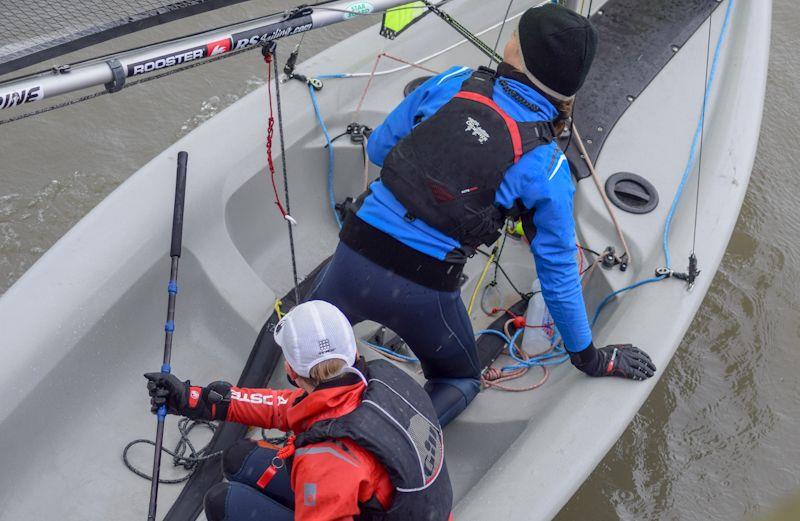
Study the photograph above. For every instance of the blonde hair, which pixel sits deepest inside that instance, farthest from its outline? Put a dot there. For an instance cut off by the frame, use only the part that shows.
(324, 371)
(564, 109)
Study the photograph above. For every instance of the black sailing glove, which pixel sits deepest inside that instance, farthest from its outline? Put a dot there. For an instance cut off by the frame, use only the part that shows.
(622, 360)
(181, 398)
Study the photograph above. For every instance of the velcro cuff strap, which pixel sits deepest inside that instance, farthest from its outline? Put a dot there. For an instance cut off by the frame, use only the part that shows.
(194, 396)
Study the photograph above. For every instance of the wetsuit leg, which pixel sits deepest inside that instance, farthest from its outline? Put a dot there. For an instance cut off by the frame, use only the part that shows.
(237, 502)
(443, 340)
(434, 324)
(242, 498)
(328, 283)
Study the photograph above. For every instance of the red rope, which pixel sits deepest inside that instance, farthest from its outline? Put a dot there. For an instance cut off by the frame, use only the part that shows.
(270, 133)
(375, 68)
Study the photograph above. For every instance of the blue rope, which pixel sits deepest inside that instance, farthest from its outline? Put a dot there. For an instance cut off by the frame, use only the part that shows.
(390, 352)
(611, 295)
(686, 172)
(321, 121)
(698, 131)
(556, 357)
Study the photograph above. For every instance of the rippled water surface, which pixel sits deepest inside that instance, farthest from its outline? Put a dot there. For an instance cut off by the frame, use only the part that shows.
(719, 438)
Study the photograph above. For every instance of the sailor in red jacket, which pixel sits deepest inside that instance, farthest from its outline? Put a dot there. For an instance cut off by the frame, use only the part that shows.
(359, 451)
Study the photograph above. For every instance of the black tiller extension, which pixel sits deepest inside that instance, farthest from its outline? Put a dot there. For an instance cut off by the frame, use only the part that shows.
(169, 326)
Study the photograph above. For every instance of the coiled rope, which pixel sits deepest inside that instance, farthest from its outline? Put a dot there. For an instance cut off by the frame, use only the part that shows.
(184, 455)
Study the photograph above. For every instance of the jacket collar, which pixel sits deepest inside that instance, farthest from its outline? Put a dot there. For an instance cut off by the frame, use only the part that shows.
(521, 84)
(509, 71)
(330, 399)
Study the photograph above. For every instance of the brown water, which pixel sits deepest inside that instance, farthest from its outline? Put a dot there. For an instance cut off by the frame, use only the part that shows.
(718, 439)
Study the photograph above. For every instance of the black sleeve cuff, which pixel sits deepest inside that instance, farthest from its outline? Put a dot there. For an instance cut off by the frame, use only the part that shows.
(216, 399)
(589, 360)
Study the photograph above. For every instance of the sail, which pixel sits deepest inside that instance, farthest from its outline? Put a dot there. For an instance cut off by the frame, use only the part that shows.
(29, 35)
(397, 20)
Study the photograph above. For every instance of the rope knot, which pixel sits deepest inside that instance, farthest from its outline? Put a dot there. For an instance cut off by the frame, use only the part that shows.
(491, 374)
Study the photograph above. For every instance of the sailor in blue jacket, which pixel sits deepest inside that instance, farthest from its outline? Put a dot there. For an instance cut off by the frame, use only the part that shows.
(401, 267)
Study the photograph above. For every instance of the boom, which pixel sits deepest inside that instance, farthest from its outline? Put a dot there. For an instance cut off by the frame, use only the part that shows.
(112, 71)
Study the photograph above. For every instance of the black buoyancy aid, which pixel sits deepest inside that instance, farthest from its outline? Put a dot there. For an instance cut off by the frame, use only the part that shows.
(447, 170)
(396, 422)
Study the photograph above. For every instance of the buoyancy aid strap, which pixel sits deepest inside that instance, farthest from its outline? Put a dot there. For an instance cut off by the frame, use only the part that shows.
(544, 131)
(278, 462)
(513, 128)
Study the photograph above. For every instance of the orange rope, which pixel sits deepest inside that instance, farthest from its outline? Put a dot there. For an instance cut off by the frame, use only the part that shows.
(493, 377)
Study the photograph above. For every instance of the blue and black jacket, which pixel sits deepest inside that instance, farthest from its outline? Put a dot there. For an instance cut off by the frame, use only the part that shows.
(540, 182)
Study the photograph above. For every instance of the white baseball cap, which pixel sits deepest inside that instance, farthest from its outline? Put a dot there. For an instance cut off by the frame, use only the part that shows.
(313, 332)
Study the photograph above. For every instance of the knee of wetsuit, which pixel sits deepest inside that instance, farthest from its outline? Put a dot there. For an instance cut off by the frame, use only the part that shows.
(450, 396)
(215, 500)
(235, 457)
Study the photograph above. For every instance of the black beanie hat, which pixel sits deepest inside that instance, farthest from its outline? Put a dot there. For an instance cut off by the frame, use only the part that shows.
(558, 46)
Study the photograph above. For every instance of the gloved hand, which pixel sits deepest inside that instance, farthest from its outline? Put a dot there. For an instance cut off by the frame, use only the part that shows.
(622, 360)
(181, 398)
(626, 361)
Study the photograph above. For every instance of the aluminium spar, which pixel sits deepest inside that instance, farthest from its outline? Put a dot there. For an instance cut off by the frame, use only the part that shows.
(112, 71)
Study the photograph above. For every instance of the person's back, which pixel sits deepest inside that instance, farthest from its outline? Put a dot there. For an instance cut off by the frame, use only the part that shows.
(346, 459)
(403, 247)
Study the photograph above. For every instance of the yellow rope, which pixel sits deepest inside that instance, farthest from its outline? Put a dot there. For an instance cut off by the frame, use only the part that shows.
(480, 281)
(278, 304)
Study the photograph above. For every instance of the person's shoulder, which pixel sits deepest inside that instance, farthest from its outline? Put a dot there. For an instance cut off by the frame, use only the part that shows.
(455, 75)
(543, 163)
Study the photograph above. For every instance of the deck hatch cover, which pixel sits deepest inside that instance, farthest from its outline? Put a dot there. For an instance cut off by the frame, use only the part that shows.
(636, 41)
(631, 193)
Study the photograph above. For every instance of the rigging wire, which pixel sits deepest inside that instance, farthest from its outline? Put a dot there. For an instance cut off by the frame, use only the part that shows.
(500, 33)
(700, 125)
(700, 155)
(463, 31)
(525, 296)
